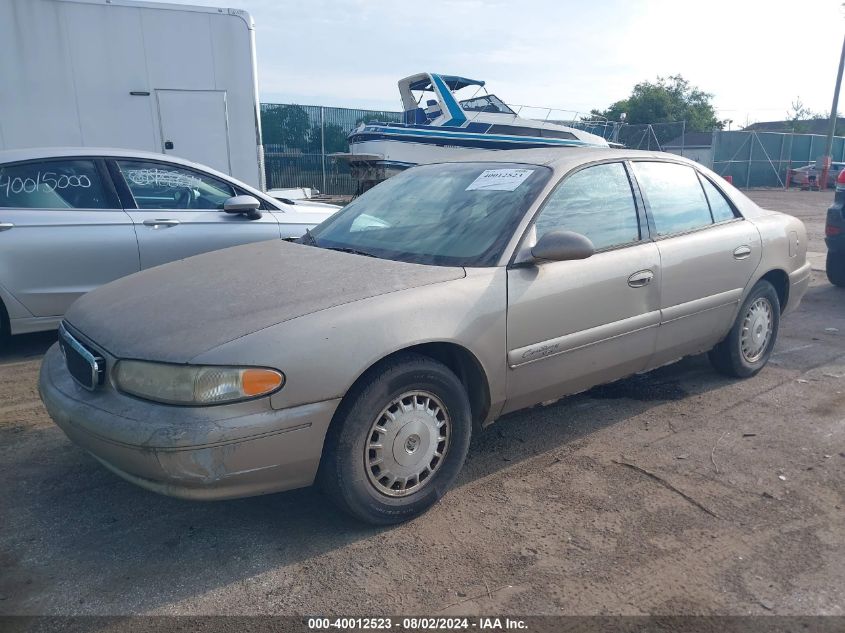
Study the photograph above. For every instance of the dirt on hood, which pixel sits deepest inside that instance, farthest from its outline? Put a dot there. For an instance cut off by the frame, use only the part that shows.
(179, 310)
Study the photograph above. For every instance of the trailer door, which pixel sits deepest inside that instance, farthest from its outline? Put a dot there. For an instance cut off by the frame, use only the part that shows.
(195, 125)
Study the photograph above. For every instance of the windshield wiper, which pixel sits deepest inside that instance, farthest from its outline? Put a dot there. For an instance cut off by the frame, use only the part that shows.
(349, 250)
(308, 238)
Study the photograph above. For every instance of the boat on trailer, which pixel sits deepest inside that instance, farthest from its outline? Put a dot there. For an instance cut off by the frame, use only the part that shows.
(447, 128)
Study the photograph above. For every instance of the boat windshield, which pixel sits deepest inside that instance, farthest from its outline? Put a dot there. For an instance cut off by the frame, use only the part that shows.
(450, 214)
(486, 103)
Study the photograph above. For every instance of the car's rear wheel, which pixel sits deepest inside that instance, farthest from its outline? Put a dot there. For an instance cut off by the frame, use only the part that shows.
(835, 266)
(747, 347)
(398, 440)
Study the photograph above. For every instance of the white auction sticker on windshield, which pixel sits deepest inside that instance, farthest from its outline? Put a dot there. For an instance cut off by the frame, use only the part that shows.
(499, 179)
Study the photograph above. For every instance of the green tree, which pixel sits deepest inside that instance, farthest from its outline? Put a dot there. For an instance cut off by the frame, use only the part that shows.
(380, 116)
(335, 138)
(798, 115)
(667, 99)
(334, 135)
(286, 125)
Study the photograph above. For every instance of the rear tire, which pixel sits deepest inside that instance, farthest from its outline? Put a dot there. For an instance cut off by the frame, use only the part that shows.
(747, 347)
(835, 266)
(380, 460)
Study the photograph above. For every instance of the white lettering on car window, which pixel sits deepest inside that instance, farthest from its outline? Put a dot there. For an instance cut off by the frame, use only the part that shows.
(499, 179)
(43, 181)
(154, 177)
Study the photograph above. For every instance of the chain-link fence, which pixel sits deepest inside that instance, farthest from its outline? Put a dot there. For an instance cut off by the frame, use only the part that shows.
(761, 159)
(646, 136)
(298, 140)
(652, 136)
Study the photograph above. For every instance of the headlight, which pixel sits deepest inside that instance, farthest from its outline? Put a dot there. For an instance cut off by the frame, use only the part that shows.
(194, 384)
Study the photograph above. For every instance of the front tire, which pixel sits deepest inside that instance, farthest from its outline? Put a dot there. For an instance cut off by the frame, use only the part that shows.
(5, 328)
(748, 346)
(398, 440)
(835, 267)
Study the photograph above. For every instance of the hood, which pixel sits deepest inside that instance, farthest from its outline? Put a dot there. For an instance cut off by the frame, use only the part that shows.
(308, 206)
(179, 310)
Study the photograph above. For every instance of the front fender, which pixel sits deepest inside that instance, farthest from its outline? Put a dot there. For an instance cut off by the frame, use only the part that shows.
(322, 354)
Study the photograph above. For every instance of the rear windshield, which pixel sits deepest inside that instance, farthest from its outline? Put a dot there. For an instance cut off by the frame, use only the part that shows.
(452, 214)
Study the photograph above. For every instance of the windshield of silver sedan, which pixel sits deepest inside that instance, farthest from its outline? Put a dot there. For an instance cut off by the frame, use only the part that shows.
(449, 214)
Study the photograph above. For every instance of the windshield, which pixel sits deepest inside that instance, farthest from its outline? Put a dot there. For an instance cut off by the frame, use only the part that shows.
(486, 103)
(452, 214)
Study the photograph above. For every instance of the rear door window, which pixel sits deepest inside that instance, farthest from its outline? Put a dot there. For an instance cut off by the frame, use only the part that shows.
(54, 184)
(719, 206)
(674, 195)
(163, 186)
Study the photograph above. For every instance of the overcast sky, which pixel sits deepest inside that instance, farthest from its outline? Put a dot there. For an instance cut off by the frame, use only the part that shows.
(755, 56)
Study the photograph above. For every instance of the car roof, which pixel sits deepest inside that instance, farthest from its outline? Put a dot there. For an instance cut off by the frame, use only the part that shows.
(38, 153)
(565, 158)
(30, 153)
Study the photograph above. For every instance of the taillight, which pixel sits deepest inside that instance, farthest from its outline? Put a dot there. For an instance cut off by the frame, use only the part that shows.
(840, 181)
(830, 230)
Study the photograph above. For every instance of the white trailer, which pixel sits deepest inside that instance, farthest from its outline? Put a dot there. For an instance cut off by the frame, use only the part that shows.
(140, 75)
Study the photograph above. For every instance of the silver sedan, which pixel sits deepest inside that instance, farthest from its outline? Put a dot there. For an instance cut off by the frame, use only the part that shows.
(365, 356)
(72, 219)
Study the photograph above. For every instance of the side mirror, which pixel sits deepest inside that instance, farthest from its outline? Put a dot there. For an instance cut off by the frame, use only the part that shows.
(247, 205)
(562, 246)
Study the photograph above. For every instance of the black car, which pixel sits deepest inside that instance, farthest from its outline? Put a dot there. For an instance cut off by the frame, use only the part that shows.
(834, 231)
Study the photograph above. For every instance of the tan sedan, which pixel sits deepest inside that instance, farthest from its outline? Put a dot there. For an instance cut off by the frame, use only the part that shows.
(451, 294)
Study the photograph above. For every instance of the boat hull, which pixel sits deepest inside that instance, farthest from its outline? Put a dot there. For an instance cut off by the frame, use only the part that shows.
(404, 146)
(401, 154)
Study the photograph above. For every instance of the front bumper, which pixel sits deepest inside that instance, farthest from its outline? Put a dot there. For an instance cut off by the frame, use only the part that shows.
(220, 452)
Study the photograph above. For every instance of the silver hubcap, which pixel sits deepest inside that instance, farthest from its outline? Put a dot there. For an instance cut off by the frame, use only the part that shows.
(407, 443)
(756, 330)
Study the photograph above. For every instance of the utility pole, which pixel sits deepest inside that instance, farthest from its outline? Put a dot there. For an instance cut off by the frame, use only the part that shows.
(828, 148)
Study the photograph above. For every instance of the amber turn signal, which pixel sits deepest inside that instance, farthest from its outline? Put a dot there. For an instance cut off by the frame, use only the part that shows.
(255, 382)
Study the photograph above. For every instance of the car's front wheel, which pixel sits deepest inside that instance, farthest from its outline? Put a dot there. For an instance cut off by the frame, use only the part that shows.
(398, 440)
(835, 267)
(747, 347)
(5, 333)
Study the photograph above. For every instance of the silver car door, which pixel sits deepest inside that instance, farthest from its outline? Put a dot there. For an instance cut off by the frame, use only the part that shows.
(706, 264)
(574, 324)
(179, 212)
(62, 232)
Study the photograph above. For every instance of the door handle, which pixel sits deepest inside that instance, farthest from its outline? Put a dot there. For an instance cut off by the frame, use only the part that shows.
(741, 252)
(640, 278)
(161, 223)
(5, 226)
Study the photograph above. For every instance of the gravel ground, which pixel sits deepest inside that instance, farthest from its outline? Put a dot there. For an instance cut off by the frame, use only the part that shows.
(675, 492)
(810, 206)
